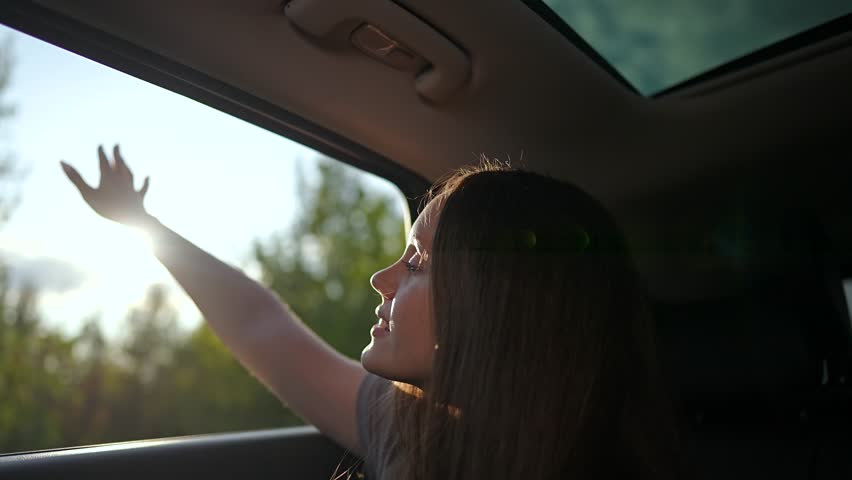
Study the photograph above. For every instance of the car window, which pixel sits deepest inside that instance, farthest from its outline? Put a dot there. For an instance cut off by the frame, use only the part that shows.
(97, 342)
(656, 44)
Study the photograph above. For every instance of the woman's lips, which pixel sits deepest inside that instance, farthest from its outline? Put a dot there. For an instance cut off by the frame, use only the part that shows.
(381, 329)
(379, 332)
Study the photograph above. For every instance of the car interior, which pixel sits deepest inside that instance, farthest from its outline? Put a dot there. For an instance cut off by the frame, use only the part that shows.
(732, 187)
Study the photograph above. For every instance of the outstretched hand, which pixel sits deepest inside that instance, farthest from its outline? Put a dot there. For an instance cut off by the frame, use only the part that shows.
(115, 198)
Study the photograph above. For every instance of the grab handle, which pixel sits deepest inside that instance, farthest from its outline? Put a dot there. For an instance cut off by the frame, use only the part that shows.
(449, 65)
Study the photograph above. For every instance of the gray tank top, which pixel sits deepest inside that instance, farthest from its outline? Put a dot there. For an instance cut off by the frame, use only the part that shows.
(374, 411)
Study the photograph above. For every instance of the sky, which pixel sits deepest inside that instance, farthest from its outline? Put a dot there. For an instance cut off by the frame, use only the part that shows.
(217, 180)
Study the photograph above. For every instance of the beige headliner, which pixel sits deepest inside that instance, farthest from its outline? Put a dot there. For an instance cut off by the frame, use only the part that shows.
(531, 91)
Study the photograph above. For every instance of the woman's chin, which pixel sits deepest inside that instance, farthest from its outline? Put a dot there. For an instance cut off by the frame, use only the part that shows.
(372, 361)
(378, 359)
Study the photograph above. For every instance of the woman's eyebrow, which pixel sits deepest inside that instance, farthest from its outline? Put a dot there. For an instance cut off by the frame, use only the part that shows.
(408, 249)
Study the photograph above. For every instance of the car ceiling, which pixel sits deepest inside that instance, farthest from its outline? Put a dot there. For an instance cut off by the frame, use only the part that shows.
(761, 140)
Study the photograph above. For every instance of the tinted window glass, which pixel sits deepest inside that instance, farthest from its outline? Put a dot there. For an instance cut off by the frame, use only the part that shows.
(655, 44)
(97, 342)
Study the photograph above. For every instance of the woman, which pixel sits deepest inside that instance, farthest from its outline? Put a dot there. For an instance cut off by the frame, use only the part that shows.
(512, 338)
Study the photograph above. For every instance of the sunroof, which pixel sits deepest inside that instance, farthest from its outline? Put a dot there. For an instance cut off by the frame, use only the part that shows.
(655, 44)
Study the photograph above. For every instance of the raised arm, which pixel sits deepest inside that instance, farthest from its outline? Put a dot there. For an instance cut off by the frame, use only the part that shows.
(315, 381)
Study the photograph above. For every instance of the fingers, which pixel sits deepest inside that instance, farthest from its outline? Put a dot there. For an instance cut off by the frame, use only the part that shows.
(106, 170)
(118, 169)
(145, 185)
(120, 166)
(76, 179)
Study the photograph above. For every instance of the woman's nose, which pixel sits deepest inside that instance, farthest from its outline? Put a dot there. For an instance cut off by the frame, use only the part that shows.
(382, 282)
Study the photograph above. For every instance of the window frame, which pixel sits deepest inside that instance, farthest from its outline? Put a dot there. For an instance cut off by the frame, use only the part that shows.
(111, 51)
(817, 34)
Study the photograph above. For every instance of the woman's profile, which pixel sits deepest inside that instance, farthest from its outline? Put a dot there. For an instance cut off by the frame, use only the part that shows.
(512, 340)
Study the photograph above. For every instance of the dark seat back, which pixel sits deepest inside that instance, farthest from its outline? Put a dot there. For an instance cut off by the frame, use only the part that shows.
(746, 369)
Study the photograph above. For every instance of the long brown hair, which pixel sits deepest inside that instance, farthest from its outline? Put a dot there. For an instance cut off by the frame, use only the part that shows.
(546, 362)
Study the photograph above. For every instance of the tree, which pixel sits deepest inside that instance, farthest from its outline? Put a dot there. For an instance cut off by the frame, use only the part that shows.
(152, 335)
(8, 167)
(35, 364)
(35, 367)
(322, 266)
(205, 389)
(57, 390)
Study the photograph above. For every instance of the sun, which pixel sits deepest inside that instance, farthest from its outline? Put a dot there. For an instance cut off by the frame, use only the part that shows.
(118, 259)
(139, 240)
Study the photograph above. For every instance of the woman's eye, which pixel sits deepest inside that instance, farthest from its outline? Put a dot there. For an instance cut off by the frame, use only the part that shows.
(413, 265)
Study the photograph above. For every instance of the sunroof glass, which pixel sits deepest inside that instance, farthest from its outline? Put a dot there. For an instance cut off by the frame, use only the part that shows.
(655, 44)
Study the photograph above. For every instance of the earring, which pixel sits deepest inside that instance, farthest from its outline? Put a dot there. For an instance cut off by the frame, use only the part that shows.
(436, 346)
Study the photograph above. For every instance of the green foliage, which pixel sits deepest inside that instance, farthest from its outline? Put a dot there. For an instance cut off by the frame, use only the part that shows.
(205, 390)
(34, 371)
(157, 382)
(322, 266)
(57, 391)
(9, 169)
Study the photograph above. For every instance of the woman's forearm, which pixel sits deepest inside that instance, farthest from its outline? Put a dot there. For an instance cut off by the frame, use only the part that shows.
(302, 370)
(228, 299)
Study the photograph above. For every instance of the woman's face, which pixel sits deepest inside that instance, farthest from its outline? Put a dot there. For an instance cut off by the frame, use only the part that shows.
(403, 340)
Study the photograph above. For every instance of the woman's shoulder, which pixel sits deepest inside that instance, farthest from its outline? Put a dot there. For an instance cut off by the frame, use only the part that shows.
(375, 397)
(373, 392)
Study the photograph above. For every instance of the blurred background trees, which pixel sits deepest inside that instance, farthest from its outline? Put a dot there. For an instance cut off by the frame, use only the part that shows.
(61, 390)
(57, 391)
